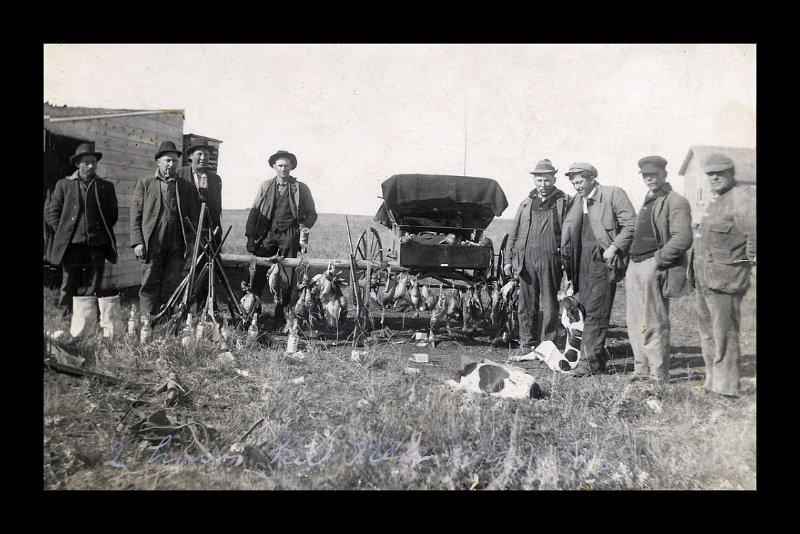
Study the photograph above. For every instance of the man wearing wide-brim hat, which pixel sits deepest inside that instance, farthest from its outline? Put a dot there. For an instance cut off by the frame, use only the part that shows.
(282, 207)
(723, 255)
(657, 270)
(161, 234)
(533, 255)
(82, 211)
(597, 233)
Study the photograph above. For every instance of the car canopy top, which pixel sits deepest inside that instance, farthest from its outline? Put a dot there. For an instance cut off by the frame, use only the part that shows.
(440, 200)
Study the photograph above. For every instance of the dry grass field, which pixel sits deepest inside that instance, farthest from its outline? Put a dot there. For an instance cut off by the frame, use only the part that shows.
(328, 422)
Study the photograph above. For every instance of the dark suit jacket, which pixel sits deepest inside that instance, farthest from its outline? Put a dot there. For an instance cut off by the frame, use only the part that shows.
(214, 200)
(101, 216)
(146, 205)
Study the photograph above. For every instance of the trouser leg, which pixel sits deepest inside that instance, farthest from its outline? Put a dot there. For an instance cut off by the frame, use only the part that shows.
(528, 307)
(72, 265)
(150, 292)
(597, 297)
(725, 319)
(549, 282)
(656, 315)
(705, 330)
(94, 271)
(635, 320)
(171, 275)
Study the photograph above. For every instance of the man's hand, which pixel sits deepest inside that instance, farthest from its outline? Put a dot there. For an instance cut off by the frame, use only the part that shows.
(138, 251)
(608, 254)
(507, 269)
(251, 244)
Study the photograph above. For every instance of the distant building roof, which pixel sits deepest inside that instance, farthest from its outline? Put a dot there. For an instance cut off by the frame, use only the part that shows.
(204, 137)
(744, 159)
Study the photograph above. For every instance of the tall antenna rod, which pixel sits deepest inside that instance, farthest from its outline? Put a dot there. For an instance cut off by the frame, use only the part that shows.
(464, 103)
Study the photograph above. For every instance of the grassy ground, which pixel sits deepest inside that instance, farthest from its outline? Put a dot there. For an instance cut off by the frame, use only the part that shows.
(374, 425)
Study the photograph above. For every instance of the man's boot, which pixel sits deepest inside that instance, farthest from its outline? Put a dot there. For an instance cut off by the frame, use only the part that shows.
(84, 316)
(111, 316)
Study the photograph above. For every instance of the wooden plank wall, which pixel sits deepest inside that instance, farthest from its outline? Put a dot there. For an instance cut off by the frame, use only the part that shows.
(129, 145)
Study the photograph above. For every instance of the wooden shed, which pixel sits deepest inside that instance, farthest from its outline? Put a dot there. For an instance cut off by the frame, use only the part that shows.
(695, 187)
(128, 139)
(213, 160)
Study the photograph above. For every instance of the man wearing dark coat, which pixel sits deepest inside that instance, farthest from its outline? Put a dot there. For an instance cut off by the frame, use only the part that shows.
(161, 236)
(283, 205)
(209, 188)
(82, 211)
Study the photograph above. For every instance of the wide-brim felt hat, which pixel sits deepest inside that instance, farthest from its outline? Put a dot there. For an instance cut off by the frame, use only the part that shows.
(167, 146)
(544, 167)
(283, 154)
(85, 149)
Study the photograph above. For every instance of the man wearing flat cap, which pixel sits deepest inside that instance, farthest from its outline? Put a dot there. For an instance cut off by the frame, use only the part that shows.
(283, 205)
(533, 255)
(657, 271)
(724, 253)
(83, 211)
(595, 238)
(209, 189)
(161, 236)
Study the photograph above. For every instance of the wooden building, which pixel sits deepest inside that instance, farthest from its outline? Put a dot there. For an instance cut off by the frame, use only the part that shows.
(128, 139)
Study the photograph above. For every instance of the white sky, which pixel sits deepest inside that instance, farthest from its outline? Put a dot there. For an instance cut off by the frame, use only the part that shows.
(356, 114)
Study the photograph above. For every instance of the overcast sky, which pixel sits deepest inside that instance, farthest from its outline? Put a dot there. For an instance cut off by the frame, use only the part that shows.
(356, 114)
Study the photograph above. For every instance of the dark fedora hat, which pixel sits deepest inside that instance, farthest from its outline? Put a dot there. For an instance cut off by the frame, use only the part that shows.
(84, 149)
(200, 143)
(544, 167)
(167, 146)
(283, 154)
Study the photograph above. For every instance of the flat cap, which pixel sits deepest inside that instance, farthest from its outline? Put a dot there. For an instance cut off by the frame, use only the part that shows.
(544, 167)
(580, 166)
(652, 164)
(716, 163)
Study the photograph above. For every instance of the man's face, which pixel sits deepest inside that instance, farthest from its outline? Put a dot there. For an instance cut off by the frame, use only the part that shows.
(87, 166)
(720, 181)
(168, 164)
(200, 158)
(582, 184)
(654, 180)
(282, 166)
(544, 183)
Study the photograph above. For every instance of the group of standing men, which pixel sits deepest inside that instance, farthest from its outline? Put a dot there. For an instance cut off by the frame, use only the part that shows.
(596, 239)
(164, 216)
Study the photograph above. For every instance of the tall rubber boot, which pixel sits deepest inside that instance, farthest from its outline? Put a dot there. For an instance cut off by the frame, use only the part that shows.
(84, 316)
(111, 316)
